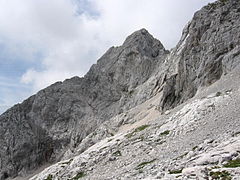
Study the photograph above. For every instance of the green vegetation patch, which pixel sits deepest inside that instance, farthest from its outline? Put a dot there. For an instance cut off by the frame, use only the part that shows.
(223, 1)
(79, 175)
(143, 164)
(165, 133)
(215, 167)
(221, 175)
(50, 177)
(140, 128)
(175, 171)
(117, 153)
(233, 163)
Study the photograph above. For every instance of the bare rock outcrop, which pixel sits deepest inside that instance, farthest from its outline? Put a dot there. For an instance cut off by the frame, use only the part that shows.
(209, 48)
(57, 118)
(55, 122)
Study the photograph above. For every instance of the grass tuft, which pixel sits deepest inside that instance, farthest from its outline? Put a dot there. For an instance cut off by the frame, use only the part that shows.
(140, 128)
(143, 164)
(117, 153)
(233, 163)
(176, 171)
(165, 133)
(223, 1)
(50, 177)
(224, 175)
(79, 175)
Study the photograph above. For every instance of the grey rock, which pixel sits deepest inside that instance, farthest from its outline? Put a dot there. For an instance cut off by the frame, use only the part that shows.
(209, 48)
(58, 118)
(195, 146)
(88, 118)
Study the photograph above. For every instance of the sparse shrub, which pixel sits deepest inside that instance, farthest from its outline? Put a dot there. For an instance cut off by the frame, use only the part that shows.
(117, 153)
(223, 1)
(49, 177)
(224, 175)
(175, 171)
(215, 167)
(218, 94)
(233, 163)
(140, 128)
(143, 164)
(79, 175)
(165, 133)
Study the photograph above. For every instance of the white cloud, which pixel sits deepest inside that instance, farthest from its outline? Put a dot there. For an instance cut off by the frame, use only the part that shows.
(11, 92)
(70, 43)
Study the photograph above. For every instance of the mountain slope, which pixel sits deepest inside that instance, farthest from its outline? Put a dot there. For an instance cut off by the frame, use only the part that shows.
(196, 140)
(128, 95)
(43, 127)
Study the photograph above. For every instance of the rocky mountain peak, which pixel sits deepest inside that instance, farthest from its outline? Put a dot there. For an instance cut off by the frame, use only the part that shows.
(138, 36)
(56, 119)
(129, 86)
(143, 42)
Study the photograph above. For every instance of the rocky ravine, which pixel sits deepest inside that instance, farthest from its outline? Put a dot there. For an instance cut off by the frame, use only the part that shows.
(131, 116)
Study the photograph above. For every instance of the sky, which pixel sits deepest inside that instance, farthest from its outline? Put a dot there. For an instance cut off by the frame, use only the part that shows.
(44, 41)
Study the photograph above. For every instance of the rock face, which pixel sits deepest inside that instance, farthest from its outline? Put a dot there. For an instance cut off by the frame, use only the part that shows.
(39, 130)
(68, 117)
(208, 48)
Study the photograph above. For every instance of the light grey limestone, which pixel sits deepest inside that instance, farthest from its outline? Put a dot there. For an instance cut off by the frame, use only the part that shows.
(58, 118)
(90, 124)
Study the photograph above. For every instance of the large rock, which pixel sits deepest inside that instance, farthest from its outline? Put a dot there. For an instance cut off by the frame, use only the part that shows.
(209, 47)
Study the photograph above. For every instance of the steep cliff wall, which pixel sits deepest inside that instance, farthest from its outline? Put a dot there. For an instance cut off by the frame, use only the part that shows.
(209, 48)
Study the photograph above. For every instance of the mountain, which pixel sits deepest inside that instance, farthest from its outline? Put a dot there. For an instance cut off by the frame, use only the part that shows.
(140, 112)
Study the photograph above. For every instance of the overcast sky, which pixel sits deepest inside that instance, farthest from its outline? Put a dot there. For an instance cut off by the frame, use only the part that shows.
(44, 41)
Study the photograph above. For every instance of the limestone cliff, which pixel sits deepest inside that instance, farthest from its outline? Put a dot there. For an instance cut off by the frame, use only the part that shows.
(128, 87)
